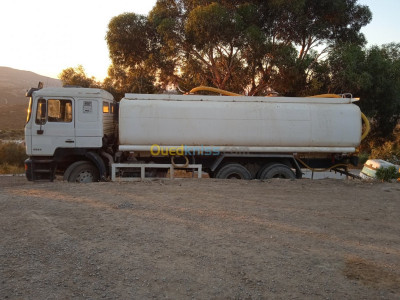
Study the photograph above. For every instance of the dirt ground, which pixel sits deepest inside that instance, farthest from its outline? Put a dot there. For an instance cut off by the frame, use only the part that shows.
(200, 239)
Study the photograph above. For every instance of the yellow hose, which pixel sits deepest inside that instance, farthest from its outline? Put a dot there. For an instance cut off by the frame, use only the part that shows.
(215, 90)
(180, 166)
(320, 170)
(226, 93)
(325, 96)
(367, 126)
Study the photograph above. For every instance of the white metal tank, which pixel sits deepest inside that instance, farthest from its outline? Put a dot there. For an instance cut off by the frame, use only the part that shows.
(252, 124)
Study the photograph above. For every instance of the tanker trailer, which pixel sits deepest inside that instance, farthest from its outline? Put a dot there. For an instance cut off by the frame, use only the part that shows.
(241, 137)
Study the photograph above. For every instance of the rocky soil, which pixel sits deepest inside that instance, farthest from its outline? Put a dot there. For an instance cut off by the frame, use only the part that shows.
(200, 239)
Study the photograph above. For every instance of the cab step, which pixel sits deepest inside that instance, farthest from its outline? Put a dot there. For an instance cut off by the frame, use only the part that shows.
(41, 169)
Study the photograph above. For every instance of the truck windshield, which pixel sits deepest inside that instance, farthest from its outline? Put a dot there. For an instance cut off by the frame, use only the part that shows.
(28, 117)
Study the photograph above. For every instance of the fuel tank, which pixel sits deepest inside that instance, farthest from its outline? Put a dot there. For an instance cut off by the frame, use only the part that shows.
(255, 124)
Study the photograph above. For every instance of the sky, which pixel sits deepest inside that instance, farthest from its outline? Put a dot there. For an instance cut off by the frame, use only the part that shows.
(47, 36)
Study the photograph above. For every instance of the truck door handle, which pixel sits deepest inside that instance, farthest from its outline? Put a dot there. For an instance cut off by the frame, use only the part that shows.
(69, 141)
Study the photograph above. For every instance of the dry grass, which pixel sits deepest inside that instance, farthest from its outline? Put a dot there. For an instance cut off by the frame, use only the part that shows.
(12, 157)
(11, 169)
(371, 274)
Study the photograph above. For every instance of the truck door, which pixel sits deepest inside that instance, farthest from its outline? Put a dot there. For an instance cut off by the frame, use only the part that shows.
(54, 125)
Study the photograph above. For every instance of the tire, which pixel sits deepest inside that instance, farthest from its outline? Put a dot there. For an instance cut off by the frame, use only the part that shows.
(82, 172)
(264, 167)
(233, 171)
(276, 171)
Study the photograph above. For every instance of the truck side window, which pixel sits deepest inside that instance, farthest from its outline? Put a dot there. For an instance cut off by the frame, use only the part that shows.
(41, 112)
(106, 107)
(59, 110)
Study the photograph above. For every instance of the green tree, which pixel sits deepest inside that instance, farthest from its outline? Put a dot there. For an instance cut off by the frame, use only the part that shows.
(373, 75)
(120, 81)
(132, 43)
(236, 45)
(304, 25)
(381, 98)
(77, 77)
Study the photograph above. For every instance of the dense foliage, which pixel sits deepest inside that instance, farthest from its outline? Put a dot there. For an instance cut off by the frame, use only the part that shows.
(12, 157)
(253, 47)
(387, 174)
(77, 77)
(243, 46)
(373, 75)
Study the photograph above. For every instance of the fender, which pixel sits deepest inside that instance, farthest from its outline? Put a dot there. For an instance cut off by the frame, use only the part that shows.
(99, 163)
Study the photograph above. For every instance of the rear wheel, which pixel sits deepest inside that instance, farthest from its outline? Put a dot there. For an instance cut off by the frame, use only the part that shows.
(276, 171)
(264, 167)
(233, 171)
(82, 172)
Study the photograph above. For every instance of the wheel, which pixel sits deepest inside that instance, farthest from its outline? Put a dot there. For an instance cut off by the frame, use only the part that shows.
(264, 167)
(233, 171)
(82, 172)
(276, 170)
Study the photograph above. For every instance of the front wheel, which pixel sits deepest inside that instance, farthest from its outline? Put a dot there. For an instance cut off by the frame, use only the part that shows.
(82, 172)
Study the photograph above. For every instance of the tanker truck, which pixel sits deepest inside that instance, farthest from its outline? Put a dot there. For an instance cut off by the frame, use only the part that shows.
(84, 135)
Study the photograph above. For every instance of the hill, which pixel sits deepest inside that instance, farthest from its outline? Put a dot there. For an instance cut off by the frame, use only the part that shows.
(14, 84)
(13, 103)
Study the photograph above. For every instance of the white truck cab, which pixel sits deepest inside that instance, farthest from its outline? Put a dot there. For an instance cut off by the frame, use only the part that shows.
(64, 123)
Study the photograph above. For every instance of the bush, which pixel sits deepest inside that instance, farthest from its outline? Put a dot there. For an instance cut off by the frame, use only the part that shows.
(362, 158)
(11, 169)
(389, 151)
(12, 154)
(387, 174)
